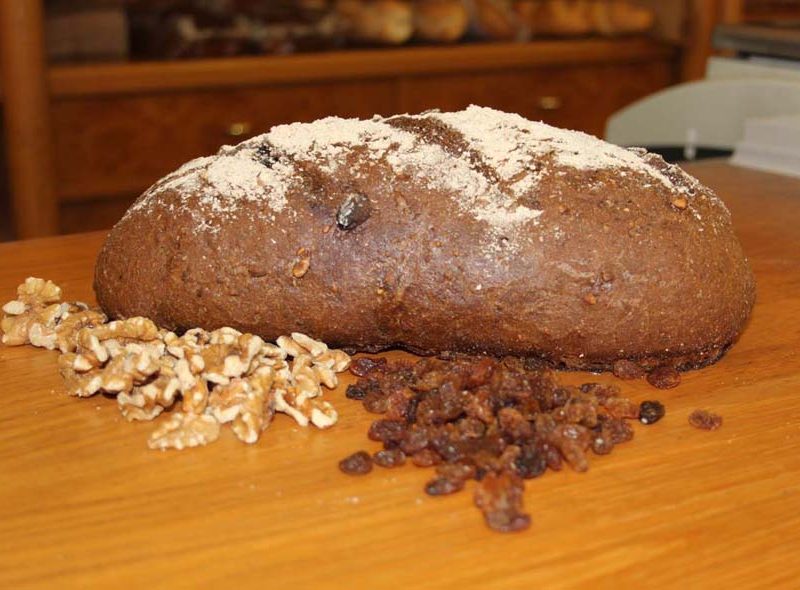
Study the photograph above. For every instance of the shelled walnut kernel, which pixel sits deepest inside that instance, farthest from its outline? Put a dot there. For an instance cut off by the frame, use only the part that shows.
(38, 317)
(219, 377)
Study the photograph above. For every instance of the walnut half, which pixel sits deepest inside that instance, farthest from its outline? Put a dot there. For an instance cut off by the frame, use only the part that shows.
(182, 431)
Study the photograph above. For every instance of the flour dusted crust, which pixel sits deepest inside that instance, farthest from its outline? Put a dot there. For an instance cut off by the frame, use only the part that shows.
(474, 231)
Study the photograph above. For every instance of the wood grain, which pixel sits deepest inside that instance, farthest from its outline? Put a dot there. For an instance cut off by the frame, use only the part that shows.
(83, 503)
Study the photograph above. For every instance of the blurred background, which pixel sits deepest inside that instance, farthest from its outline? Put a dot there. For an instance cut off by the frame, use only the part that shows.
(102, 97)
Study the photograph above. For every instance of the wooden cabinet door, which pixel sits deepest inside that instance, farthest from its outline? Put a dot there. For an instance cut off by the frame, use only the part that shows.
(574, 97)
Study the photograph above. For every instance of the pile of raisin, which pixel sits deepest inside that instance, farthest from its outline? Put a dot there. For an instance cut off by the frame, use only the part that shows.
(498, 422)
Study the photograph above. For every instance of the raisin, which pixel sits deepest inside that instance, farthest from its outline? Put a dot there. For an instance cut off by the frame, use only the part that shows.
(480, 407)
(429, 380)
(617, 430)
(359, 463)
(427, 410)
(600, 391)
(581, 411)
(602, 444)
(499, 497)
(375, 402)
(572, 440)
(411, 410)
(386, 431)
(426, 458)
(355, 392)
(396, 405)
(531, 462)
(665, 377)
(453, 401)
(353, 211)
(490, 460)
(448, 448)
(705, 420)
(440, 486)
(554, 398)
(575, 455)
(619, 407)
(415, 440)
(514, 424)
(625, 369)
(552, 456)
(492, 443)
(389, 458)
(451, 477)
(363, 366)
(470, 427)
(651, 411)
(544, 423)
(265, 155)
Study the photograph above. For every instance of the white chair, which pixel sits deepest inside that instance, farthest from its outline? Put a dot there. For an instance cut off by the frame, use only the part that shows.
(705, 114)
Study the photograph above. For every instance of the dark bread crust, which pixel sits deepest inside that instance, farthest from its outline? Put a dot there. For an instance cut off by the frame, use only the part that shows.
(610, 269)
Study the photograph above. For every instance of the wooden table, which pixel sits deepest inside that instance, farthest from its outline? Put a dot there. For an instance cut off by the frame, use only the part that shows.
(83, 502)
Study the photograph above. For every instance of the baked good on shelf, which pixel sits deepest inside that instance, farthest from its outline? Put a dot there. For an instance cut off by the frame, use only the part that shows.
(473, 231)
(442, 21)
(389, 22)
(562, 18)
(497, 20)
(569, 18)
(620, 17)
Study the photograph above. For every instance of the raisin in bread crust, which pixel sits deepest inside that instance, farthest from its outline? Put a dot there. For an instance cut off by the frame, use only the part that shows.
(476, 232)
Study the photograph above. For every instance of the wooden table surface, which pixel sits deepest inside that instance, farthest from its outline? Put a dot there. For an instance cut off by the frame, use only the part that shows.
(84, 503)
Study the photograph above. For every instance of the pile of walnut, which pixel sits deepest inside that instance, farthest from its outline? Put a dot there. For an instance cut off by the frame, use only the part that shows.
(216, 377)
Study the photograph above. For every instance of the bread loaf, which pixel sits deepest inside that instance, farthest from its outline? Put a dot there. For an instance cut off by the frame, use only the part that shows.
(475, 231)
(583, 17)
(441, 21)
(389, 22)
(496, 20)
(619, 17)
(564, 17)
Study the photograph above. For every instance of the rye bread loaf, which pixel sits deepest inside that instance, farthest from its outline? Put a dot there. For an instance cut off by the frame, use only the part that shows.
(475, 231)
